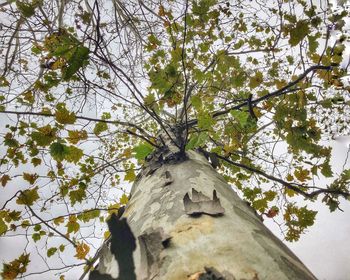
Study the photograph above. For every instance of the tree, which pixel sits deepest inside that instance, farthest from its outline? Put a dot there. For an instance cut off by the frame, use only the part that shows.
(94, 92)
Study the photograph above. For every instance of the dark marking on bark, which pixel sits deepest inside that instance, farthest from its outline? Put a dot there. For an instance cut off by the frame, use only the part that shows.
(201, 204)
(168, 179)
(151, 245)
(122, 246)
(96, 275)
(212, 274)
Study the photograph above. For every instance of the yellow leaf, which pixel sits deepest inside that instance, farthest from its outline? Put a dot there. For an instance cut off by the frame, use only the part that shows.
(289, 177)
(59, 220)
(106, 234)
(124, 199)
(130, 176)
(82, 250)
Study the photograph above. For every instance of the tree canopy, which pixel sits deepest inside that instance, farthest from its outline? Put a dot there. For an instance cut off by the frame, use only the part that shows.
(86, 87)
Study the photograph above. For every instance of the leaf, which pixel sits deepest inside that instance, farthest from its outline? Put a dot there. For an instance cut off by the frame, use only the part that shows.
(298, 33)
(241, 116)
(58, 151)
(256, 80)
(196, 102)
(26, 9)
(76, 61)
(36, 237)
(73, 154)
(44, 135)
(16, 267)
(142, 151)
(205, 120)
(302, 174)
(51, 251)
(31, 178)
(197, 141)
(61, 247)
(28, 197)
(59, 220)
(273, 211)
(72, 225)
(77, 196)
(63, 116)
(289, 177)
(124, 199)
(89, 215)
(326, 169)
(3, 226)
(130, 175)
(4, 179)
(100, 127)
(82, 250)
(74, 136)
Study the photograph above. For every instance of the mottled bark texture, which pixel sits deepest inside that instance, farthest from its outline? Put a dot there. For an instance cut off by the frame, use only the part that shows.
(190, 224)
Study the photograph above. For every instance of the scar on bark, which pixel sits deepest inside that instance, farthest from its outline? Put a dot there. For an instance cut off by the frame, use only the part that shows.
(152, 242)
(210, 273)
(201, 204)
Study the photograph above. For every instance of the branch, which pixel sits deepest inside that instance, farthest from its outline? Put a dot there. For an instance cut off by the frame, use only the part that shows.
(290, 186)
(80, 118)
(286, 89)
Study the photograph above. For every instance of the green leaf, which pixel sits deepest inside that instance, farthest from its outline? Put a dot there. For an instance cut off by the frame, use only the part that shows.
(28, 197)
(241, 116)
(197, 140)
(72, 225)
(61, 247)
(51, 251)
(26, 9)
(36, 237)
(44, 135)
(326, 169)
(73, 154)
(100, 127)
(196, 102)
(77, 60)
(58, 151)
(298, 33)
(77, 195)
(142, 151)
(89, 215)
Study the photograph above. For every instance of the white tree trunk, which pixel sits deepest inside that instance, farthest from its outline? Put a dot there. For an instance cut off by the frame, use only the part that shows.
(173, 245)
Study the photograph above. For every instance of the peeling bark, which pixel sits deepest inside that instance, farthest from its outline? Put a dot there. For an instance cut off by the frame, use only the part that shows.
(201, 204)
(235, 245)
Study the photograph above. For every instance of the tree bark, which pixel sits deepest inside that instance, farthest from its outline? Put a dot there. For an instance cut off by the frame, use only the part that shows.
(183, 234)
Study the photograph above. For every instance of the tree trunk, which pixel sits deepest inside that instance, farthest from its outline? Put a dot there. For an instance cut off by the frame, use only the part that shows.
(184, 234)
